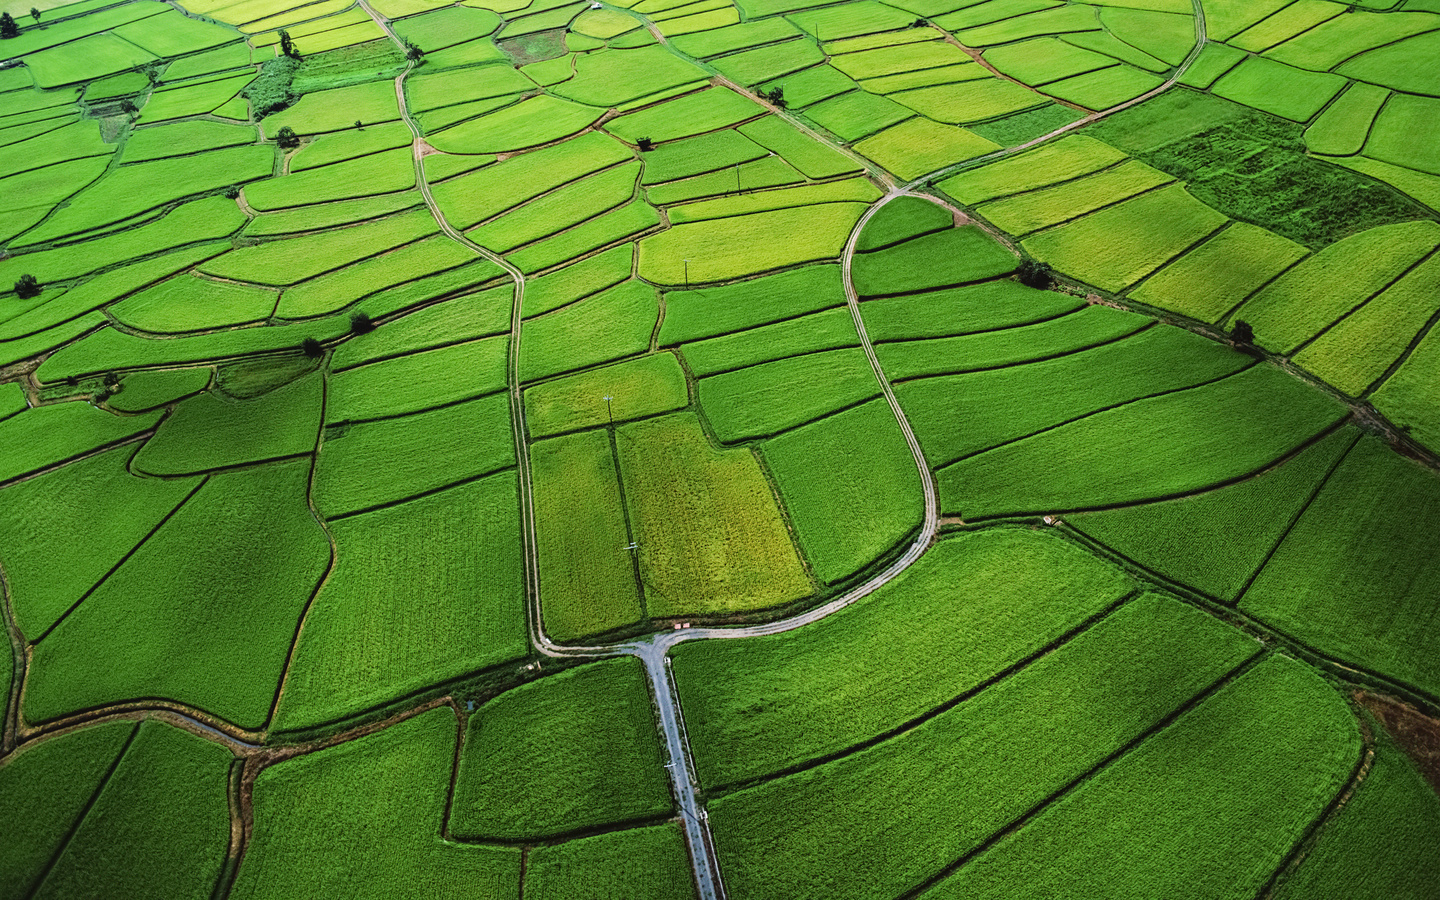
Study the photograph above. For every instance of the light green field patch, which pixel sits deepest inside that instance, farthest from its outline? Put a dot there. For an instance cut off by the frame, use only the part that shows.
(735, 37)
(1165, 36)
(857, 114)
(582, 279)
(1215, 60)
(184, 138)
(1070, 157)
(368, 176)
(899, 59)
(1308, 297)
(851, 19)
(811, 157)
(768, 171)
(1043, 60)
(1116, 247)
(691, 114)
(880, 39)
(575, 203)
(730, 248)
(852, 189)
(610, 77)
(1276, 88)
(442, 89)
(1402, 66)
(711, 538)
(970, 101)
(1210, 280)
(604, 327)
(190, 303)
(144, 391)
(603, 23)
(919, 146)
(417, 381)
(1342, 129)
(1331, 43)
(1406, 132)
(339, 146)
(697, 22)
(637, 388)
(1297, 17)
(88, 58)
(174, 34)
(816, 83)
(1050, 206)
(538, 120)
(447, 27)
(965, 71)
(329, 215)
(292, 260)
(693, 156)
(611, 228)
(1105, 88)
(1061, 20)
(1108, 44)
(767, 63)
(337, 109)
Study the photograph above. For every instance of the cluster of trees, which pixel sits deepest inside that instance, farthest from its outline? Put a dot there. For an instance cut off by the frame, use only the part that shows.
(8, 27)
(27, 287)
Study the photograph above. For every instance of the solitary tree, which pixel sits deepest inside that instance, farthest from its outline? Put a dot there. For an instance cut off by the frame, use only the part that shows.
(287, 138)
(311, 348)
(645, 144)
(361, 323)
(27, 287)
(128, 106)
(359, 126)
(35, 14)
(8, 28)
(1035, 274)
(775, 96)
(287, 46)
(413, 52)
(1242, 333)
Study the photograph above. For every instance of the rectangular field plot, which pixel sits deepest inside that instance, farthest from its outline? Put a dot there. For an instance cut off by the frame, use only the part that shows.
(605, 327)
(825, 330)
(941, 259)
(952, 807)
(636, 389)
(1279, 89)
(711, 538)
(773, 397)
(1051, 206)
(1212, 279)
(725, 249)
(1070, 157)
(919, 146)
(648, 863)
(693, 315)
(971, 608)
(990, 306)
(417, 381)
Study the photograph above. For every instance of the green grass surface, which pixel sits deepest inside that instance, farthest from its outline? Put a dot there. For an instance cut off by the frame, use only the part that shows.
(607, 326)
(692, 156)
(1323, 288)
(876, 492)
(1216, 541)
(587, 577)
(202, 613)
(639, 863)
(1047, 207)
(404, 265)
(824, 330)
(609, 78)
(574, 750)
(734, 247)
(764, 64)
(368, 176)
(1260, 758)
(582, 279)
(773, 397)
(638, 388)
(970, 101)
(291, 260)
(602, 231)
(857, 114)
(989, 306)
(161, 822)
(1276, 88)
(956, 416)
(1351, 579)
(902, 219)
(942, 259)
(458, 319)
(1117, 246)
(49, 435)
(1381, 842)
(208, 432)
(1135, 452)
(571, 205)
(813, 159)
(364, 818)
(1212, 279)
(1399, 66)
(920, 146)
(1408, 397)
(1341, 130)
(1360, 349)
(850, 190)
(1069, 157)
(685, 116)
(1039, 728)
(710, 534)
(421, 593)
(969, 609)
(415, 453)
(417, 381)
(187, 303)
(144, 391)
(692, 315)
(184, 138)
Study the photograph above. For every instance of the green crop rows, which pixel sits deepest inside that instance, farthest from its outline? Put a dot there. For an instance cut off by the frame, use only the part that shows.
(690, 449)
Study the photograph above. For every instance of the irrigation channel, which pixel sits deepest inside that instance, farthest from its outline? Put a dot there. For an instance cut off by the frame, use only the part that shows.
(654, 650)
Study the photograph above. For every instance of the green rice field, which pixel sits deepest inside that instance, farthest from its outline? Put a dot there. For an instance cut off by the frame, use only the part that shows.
(720, 449)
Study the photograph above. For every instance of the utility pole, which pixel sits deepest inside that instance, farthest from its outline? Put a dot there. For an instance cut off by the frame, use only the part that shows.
(687, 273)
(609, 413)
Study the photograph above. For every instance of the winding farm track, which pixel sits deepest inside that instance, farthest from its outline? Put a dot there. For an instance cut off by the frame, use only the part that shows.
(653, 650)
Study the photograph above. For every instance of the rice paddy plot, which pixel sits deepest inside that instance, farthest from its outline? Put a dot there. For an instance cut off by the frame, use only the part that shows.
(899, 58)
(902, 219)
(649, 863)
(826, 330)
(588, 582)
(812, 158)
(688, 115)
(188, 302)
(373, 464)
(767, 171)
(421, 593)
(1235, 427)
(290, 261)
(877, 490)
(1213, 278)
(1105, 88)
(1059, 20)
(953, 809)
(607, 326)
(84, 60)
(1402, 66)
(368, 811)
(692, 315)
(636, 389)
(68, 142)
(1328, 285)
(446, 27)
(850, 20)
(221, 59)
(1047, 207)
(1403, 133)
(857, 114)
(1342, 129)
(1264, 755)
(337, 109)
(697, 155)
(208, 432)
(538, 120)
(1296, 18)
(763, 64)
(710, 535)
(1336, 40)
(990, 306)
(769, 398)
(417, 381)
(457, 319)
(860, 190)
(1052, 335)
(183, 139)
(1226, 18)
(801, 89)
(939, 259)
(202, 613)
(973, 15)
(956, 416)
(1139, 235)
(1214, 60)
(1042, 60)
(947, 74)
(725, 249)
(1408, 399)
(1216, 541)
(983, 602)
(31, 196)
(1167, 36)
(1070, 157)
(1279, 89)
(330, 215)
(1105, 43)
(969, 101)
(342, 145)
(608, 78)
(610, 228)
(52, 434)
(735, 37)
(148, 390)
(919, 146)
(578, 280)
(96, 512)
(569, 206)
(368, 176)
